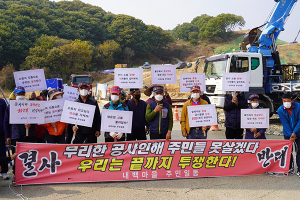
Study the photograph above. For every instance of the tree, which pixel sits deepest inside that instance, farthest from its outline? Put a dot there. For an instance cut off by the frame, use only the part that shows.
(183, 31)
(108, 51)
(127, 54)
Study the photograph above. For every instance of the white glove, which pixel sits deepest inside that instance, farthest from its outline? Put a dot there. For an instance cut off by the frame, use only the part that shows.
(112, 134)
(119, 135)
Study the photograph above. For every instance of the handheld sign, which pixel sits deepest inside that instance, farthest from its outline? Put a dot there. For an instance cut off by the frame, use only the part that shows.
(31, 80)
(202, 115)
(116, 121)
(163, 74)
(189, 79)
(255, 118)
(53, 110)
(129, 77)
(102, 89)
(236, 82)
(78, 113)
(70, 93)
(26, 112)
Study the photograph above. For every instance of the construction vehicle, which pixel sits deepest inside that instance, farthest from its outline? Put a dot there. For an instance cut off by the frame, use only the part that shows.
(76, 79)
(260, 58)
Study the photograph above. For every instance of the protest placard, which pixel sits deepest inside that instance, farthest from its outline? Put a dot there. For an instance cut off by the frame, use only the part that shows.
(53, 110)
(163, 74)
(236, 82)
(70, 93)
(202, 115)
(255, 118)
(189, 79)
(116, 121)
(102, 89)
(129, 77)
(26, 112)
(31, 80)
(78, 113)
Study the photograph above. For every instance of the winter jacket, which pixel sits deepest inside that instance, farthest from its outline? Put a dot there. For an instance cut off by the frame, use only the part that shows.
(291, 124)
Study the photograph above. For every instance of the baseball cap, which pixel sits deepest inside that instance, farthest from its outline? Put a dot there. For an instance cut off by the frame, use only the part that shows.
(253, 96)
(195, 87)
(158, 89)
(82, 84)
(19, 89)
(115, 89)
(132, 90)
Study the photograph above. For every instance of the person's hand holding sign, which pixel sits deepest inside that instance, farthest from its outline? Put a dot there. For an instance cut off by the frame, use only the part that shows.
(235, 100)
(257, 135)
(293, 137)
(97, 134)
(75, 128)
(128, 97)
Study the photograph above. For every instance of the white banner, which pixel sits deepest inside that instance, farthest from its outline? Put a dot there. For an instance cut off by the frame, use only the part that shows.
(78, 113)
(26, 112)
(189, 79)
(53, 110)
(236, 82)
(70, 93)
(129, 77)
(255, 118)
(202, 115)
(31, 80)
(116, 121)
(163, 74)
(102, 88)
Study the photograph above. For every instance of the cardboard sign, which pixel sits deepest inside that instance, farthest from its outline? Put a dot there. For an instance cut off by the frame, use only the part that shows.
(189, 79)
(53, 110)
(70, 93)
(163, 74)
(255, 118)
(202, 115)
(26, 112)
(129, 77)
(236, 82)
(102, 89)
(31, 80)
(116, 121)
(78, 113)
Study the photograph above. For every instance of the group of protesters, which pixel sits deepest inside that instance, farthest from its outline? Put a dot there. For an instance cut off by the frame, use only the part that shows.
(153, 117)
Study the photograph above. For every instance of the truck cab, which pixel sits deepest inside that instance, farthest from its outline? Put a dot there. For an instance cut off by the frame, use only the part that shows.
(76, 79)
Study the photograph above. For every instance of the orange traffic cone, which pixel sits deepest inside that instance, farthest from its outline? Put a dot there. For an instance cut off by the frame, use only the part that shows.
(175, 116)
(215, 128)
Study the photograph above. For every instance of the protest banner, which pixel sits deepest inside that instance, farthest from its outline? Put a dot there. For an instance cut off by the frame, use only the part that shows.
(255, 118)
(148, 160)
(189, 79)
(236, 82)
(129, 77)
(116, 121)
(53, 110)
(163, 74)
(31, 80)
(78, 113)
(102, 88)
(70, 93)
(202, 115)
(26, 112)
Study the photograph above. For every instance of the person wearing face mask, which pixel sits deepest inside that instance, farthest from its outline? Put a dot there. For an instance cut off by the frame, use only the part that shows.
(289, 114)
(159, 116)
(187, 131)
(149, 92)
(254, 133)
(83, 133)
(138, 107)
(115, 104)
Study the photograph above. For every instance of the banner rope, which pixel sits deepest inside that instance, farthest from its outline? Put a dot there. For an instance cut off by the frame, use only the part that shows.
(18, 195)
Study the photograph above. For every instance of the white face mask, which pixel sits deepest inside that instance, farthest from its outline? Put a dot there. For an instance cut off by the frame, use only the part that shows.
(195, 96)
(114, 98)
(83, 92)
(59, 97)
(20, 97)
(159, 97)
(287, 104)
(254, 105)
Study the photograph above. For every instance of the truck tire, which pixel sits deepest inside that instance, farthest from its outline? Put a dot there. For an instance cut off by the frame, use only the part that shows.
(263, 104)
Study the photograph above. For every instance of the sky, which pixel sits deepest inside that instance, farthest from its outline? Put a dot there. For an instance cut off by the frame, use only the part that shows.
(169, 13)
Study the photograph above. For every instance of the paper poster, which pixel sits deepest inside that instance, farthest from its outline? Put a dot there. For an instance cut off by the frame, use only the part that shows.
(53, 110)
(163, 74)
(255, 118)
(189, 79)
(236, 82)
(70, 93)
(31, 80)
(129, 77)
(202, 115)
(116, 121)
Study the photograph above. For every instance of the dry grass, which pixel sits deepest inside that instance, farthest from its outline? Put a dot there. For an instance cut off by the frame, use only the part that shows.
(289, 53)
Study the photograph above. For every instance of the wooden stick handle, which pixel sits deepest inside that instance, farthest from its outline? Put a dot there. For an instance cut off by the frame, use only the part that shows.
(55, 129)
(75, 131)
(27, 132)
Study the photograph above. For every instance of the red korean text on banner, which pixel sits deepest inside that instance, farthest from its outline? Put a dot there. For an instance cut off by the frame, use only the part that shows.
(149, 160)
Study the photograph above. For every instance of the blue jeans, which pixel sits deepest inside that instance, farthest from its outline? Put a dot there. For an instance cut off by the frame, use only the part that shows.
(196, 134)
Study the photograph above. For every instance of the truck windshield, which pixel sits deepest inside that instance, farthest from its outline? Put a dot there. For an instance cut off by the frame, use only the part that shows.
(215, 68)
(77, 80)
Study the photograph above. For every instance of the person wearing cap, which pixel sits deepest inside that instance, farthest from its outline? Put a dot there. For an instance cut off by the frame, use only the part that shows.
(254, 133)
(289, 114)
(138, 107)
(149, 92)
(43, 95)
(115, 104)
(187, 131)
(55, 130)
(159, 116)
(232, 107)
(88, 134)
